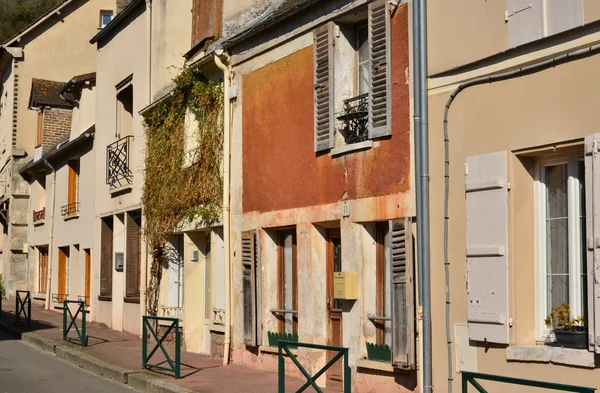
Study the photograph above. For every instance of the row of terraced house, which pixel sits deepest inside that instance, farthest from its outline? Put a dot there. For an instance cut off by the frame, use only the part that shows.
(316, 237)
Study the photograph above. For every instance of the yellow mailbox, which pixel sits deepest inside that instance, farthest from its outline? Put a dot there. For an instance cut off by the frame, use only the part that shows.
(345, 285)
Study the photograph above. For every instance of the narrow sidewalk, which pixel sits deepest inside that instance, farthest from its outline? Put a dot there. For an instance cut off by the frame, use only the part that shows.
(123, 351)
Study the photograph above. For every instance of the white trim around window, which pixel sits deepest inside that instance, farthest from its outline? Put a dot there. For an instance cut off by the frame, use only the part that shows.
(575, 220)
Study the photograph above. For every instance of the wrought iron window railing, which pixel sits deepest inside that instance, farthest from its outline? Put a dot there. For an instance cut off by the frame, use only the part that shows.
(355, 119)
(39, 215)
(70, 210)
(59, 297)
(85, 299)
(118, 171)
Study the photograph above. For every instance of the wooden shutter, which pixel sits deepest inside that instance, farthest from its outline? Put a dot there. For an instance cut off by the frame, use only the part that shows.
(324, 91)
(132, 256)
(250, 288)
(73, 180)
(379, 89)
(40, 123)
(62, 275)
(592, 217)
(106, 249)
(563, 15)
(525, 21)
(487, 247)
(403, 309)
(207, 20)
(88, 276)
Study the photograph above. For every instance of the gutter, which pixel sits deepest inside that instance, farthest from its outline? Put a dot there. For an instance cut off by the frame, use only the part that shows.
(226, 197)
(50, 235)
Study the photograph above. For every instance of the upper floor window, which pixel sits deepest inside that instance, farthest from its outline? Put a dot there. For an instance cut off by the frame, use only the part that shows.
(105, 18)
(561, 236)
(72, 206)
(125, 109)
(353, 48)
(533, 19)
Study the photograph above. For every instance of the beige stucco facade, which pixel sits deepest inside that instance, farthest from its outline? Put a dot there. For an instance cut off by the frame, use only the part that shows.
(54, 48)
(538, 118)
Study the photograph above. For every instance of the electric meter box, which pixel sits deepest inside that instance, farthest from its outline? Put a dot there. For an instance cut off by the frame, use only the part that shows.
(345, 285)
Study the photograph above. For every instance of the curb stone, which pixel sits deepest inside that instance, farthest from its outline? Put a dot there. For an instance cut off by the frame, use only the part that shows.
(136, 379)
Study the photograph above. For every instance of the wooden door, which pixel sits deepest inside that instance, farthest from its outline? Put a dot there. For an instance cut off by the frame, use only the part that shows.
(88, 274)
(62, 275)
(43, 270)
(334, 307)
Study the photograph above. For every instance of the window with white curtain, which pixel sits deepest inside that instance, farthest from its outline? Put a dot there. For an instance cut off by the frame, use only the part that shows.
(560, 228)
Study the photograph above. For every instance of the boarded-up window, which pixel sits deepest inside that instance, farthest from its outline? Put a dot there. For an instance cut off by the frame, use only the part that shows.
(133, 253)
(207, 20)
(487, 247)
(106, 250)
(250, 287)
(403, 306)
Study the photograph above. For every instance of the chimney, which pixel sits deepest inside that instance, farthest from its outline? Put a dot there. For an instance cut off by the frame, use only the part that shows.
(121, 4)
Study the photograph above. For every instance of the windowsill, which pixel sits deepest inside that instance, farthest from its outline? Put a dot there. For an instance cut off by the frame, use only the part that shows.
(120, 189)
(275, 350)
(374, 365)
(341, 150)
(39, 223)
(555, 355)
(105, 298)
(70, 216)
(132, 299)
(39, 296)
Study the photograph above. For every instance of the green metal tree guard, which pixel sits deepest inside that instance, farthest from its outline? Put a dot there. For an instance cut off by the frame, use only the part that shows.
(174, 365)
(20, 307)
(470, 378)
(311, 380)
(71, 319)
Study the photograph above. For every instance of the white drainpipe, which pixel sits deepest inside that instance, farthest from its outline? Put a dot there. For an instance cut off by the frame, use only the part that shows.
(226, 207)
(50, 236)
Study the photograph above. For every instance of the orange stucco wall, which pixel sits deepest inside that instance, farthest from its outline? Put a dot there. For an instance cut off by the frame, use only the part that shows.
(280, 167)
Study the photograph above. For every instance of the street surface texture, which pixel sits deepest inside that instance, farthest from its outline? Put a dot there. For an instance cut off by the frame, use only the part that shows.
(24, 369)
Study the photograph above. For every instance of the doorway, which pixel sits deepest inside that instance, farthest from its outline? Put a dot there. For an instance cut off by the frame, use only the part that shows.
(175, 273)
(207, 293)
(88, 276)
(334, 308)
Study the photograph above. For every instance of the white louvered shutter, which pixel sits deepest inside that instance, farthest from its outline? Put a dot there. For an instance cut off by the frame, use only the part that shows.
(324, 77)
(563, 15)
(379, 89)
(525, 21)
(403, 308)
(487, 247)
(592, 215)
(250, 288)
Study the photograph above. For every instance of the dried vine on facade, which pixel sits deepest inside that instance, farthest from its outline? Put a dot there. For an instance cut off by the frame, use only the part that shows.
(183, 169)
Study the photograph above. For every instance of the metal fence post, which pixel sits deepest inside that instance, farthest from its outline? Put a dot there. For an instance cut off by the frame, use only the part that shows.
(281, 373)
(65, 305)
(177, 351)
(347, 375)
(465, 387)
(17, 312)
(84, 340)
(28, 309)
(144, 341)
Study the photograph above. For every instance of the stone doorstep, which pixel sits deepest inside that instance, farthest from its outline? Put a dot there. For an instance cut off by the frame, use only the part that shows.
(140, 380)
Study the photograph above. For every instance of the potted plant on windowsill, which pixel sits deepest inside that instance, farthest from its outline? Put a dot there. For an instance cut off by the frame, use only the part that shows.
(568, 331)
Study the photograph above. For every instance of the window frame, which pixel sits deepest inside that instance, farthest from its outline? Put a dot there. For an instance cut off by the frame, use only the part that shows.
(383, 284)
(103, 13)
(576, 264)
(363, 24)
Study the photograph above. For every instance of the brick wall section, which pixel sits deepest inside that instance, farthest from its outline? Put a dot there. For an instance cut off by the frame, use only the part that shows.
(56, 127)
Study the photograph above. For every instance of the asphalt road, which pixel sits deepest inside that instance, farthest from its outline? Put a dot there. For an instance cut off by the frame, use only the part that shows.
(24, 369)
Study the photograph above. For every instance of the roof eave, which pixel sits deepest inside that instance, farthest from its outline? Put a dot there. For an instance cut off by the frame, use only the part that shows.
(35, 24)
